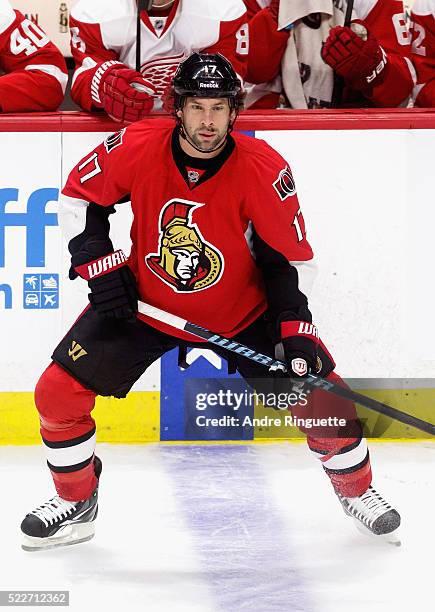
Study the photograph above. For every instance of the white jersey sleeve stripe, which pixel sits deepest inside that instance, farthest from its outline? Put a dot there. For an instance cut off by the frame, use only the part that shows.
(307, 272)
(72, 216)
(7, 15)
(423, 7)
(362, 8)
(53, 71)
(87, 64)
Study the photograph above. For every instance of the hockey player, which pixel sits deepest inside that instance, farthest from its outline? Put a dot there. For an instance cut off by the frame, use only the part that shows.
(306, 43)
(227, 254)
(34, 74)
(423, 51)
(103, 44)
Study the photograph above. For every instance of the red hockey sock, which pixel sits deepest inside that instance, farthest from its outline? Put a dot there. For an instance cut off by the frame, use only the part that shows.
(68, 432)
(342, 450)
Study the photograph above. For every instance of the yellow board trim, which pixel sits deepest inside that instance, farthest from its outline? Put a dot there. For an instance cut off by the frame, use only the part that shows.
(132, 420)
(417, 402)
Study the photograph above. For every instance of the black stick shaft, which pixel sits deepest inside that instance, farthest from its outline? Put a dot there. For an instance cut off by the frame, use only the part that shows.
(138, 41)
(314, 381)
(337, 93)
(348, 16)
(142, 5)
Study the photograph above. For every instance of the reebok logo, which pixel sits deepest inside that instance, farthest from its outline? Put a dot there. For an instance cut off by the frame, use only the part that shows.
(213, 85)
(76, 351)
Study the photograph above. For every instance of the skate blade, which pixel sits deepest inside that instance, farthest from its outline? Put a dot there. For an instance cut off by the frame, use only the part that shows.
(389, 538)
(70, 535)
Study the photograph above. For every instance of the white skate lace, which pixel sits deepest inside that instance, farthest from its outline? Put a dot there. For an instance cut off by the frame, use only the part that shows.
(368, 507)
(54, 510)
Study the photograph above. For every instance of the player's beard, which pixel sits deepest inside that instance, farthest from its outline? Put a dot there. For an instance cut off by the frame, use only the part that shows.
(206, 144)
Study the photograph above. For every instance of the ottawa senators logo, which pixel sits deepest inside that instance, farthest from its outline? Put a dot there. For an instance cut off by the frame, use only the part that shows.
(114, 140)
(185, 261)
(285, 184)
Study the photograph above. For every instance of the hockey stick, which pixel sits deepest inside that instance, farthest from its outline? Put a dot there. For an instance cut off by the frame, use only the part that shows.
(315, 381)
(348, 16)
(142, 5)
(338, 81)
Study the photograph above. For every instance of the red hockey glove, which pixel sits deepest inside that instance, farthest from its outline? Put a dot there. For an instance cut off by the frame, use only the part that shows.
(123, 93)
(357, 57)
(113, 286)
(300, 340)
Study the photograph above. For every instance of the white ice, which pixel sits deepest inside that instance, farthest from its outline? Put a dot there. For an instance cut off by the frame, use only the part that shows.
(207, 528)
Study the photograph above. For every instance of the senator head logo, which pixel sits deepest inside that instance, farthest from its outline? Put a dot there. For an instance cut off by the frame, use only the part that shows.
(184, 261)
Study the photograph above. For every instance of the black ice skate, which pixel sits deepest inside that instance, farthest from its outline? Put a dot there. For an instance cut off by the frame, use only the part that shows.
(373, 515)
(59, 522)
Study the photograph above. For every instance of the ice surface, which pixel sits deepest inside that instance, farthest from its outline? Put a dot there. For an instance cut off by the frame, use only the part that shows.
(205, 528)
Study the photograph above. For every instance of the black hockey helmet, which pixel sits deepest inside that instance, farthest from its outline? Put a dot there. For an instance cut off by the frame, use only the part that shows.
(206, 75)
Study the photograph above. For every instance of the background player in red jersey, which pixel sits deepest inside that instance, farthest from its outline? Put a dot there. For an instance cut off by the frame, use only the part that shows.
(34, 74)
(423, 51)
(103, 44)
(305, 46)
(227, 254)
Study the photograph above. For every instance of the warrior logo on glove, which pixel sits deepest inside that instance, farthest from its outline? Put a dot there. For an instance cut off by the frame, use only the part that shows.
(185, 261)
(299, 366)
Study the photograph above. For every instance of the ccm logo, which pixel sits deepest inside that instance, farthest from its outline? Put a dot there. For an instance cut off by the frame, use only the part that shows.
(285, 184)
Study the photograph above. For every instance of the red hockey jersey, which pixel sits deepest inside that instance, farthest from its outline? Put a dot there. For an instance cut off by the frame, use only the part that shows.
(295, 53)
(192, 249)
(34, 71)
(102, 31)
(423, 51)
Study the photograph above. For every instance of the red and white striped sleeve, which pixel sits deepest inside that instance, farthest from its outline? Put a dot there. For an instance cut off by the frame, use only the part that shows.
(89, 52)
(35, 74)
(386, 21)
(267, 43)
(423, 51)
(233, 40)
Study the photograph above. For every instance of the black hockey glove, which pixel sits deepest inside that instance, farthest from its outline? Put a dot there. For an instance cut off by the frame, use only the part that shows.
(299, 340)
(297, 347)
(113, 286)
